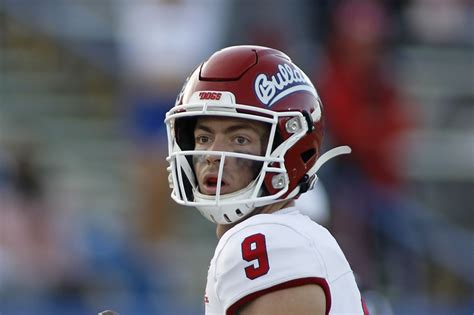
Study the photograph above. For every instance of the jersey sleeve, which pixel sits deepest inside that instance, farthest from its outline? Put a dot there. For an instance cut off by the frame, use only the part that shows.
(262, 258)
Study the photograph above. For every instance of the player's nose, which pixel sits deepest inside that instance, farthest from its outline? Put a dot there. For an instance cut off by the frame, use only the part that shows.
(218, 144)
(211, 158)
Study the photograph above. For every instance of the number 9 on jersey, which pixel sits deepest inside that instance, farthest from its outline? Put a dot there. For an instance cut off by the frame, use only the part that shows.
(254, 248)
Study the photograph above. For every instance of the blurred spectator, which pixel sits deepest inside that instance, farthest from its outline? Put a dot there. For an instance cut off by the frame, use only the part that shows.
(33, 257)
(293, 26)
(365, 109)
(58, 260)
(159, 41)
(367, 112)
(441, 22)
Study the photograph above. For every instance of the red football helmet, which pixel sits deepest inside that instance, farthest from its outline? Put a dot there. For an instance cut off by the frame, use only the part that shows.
(257, 83)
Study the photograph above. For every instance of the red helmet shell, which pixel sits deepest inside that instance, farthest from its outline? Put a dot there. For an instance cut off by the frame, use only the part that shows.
(265, 78)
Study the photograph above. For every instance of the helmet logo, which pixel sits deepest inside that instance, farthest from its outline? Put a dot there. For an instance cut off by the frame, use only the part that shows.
(210, 96)
(287, 80)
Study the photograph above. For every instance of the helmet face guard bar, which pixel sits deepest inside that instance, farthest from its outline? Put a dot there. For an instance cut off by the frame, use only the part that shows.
(178, 161)
(185, 190)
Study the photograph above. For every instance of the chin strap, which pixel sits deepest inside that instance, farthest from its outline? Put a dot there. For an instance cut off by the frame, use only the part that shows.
(345, 149)
(311, 176)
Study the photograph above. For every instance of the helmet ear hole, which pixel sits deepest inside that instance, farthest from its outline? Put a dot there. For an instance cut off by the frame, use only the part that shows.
(308, 154)
(277, 140)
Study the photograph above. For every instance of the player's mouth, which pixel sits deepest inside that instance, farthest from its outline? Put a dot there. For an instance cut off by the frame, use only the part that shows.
(210, 185)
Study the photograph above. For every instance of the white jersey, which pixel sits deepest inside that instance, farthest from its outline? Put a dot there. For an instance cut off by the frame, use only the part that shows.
(268, 252)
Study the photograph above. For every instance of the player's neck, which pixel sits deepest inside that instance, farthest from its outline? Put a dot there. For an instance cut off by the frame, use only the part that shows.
(222, 228)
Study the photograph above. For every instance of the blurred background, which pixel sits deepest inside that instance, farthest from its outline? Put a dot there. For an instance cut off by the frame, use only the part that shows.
(86, 221)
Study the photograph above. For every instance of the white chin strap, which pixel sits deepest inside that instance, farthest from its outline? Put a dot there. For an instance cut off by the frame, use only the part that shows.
(345, 149)
(320, 162)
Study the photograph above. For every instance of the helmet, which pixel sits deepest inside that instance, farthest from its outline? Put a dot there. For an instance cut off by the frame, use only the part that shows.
(256, 83)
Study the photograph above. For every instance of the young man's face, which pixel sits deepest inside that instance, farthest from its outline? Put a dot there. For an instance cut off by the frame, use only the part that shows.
(232, 135)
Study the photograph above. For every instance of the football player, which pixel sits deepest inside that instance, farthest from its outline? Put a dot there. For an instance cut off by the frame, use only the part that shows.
(244, 142)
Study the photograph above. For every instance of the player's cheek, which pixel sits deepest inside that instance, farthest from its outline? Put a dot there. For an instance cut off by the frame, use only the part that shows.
(198, 162)
(248, 169)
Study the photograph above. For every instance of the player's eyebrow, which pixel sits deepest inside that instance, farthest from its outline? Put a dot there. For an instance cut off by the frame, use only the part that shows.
(203, 128)
(230, 129)
(239, 127)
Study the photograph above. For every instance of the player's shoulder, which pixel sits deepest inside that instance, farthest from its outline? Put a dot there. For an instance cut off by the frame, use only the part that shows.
(281, 235)
(264, 251)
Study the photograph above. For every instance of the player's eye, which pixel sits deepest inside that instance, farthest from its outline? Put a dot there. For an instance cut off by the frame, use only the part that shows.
(240, 140)
(202, 139)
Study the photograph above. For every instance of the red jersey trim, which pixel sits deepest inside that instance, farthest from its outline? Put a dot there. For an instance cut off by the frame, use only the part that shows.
(364, 307)
(232, 310)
